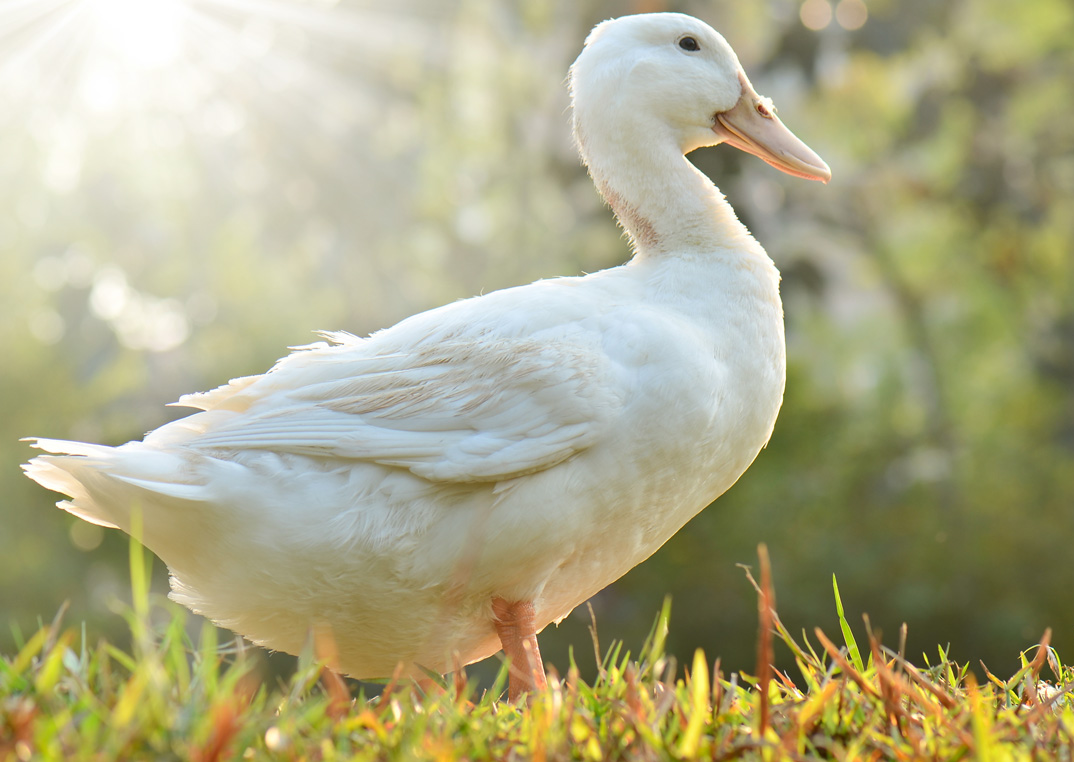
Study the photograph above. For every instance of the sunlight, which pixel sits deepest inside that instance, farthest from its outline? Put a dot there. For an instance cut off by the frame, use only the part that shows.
(146, 33)
(122, 115)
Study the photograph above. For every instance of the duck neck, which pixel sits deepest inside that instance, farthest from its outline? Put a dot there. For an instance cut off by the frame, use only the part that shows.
(666, 205)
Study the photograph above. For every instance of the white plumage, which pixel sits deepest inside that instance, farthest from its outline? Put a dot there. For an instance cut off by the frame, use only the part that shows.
(530, 445)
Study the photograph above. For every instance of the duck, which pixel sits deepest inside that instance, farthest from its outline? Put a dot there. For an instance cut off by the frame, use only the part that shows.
(447, 487)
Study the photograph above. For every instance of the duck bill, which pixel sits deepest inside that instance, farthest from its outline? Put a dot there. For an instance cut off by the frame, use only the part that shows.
(753, 127)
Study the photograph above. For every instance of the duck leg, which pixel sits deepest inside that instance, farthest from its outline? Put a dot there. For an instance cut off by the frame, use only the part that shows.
(516, 624)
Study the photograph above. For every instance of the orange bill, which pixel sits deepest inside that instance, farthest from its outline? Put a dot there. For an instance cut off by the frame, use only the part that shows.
(752, 126)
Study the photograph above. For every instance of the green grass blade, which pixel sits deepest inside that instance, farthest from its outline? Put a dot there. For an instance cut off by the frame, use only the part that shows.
(848, 636)
(652, 651)
(698, 706)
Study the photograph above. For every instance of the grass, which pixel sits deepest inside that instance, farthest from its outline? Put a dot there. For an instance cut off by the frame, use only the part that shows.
(169, 698)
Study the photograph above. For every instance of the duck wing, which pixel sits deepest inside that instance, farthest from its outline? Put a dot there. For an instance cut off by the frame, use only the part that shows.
(478, 408)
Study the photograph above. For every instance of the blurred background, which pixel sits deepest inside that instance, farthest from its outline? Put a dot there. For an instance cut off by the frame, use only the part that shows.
(188, 187)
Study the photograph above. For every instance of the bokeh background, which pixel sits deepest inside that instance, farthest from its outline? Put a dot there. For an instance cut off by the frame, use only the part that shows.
(188, 187)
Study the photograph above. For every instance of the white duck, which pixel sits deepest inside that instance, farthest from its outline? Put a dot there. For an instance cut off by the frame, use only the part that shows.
(453, 484)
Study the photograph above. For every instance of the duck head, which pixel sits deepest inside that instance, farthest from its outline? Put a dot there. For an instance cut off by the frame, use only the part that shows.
(662, 72)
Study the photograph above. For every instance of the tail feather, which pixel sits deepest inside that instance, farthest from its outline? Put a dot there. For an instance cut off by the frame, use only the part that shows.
(49, 475)
(192, 492)
(65, 447)
(104, 484)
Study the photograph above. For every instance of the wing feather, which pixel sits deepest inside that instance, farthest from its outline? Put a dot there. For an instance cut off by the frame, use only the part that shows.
(465, 410)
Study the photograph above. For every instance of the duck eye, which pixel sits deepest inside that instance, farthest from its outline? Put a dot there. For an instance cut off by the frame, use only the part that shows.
(689, 43)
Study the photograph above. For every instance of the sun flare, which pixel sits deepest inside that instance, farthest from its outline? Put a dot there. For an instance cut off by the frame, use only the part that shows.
(125, 113)
(145, 33)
